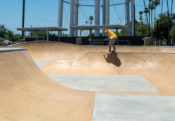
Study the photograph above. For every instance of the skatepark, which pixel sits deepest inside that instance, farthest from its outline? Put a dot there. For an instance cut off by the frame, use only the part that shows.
(78, 82)
(87, 60)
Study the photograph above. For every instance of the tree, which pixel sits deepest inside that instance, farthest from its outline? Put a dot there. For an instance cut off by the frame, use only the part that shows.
(39, 33)
(161, 28)
(140, 29)
(173, 16)
(91, 34)
(148, 10)
(121, 33)
(16, 37)
(8, 34)
(3, 31)
(172, 33)
(168, 22)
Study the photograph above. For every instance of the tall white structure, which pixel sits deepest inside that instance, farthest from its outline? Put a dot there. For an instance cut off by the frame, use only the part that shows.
(72, 5)
(60, 15)
(76, 5)
(132, 17)
(105, 4)
(127, 19)
(107, 12)
(97, 16)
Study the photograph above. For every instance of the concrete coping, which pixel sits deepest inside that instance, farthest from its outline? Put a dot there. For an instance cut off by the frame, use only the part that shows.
(11, 49)
(120, 52)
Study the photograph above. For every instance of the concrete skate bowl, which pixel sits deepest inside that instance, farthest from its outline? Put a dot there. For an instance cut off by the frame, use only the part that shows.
(155, 64)
(26, 94)
(157, 68)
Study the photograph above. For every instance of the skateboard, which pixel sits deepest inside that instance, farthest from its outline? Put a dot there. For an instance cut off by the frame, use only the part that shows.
(109, 54)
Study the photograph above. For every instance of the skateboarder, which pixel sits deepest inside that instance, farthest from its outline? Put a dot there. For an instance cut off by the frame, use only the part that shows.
(112, 37)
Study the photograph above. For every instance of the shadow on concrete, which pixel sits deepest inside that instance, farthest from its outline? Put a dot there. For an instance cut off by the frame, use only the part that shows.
(113, 58)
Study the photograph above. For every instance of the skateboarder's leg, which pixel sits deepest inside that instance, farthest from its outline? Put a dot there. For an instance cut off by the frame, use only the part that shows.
(114, 48)
(113, 44)
(110, 48)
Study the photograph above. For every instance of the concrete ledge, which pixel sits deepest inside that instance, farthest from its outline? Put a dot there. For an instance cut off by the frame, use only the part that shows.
(11, 49)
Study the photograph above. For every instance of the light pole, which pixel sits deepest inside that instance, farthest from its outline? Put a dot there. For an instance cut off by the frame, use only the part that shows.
(23, 18)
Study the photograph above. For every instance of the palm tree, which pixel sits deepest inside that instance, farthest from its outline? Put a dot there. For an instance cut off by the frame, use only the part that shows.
(149, 10)
(162, 7)
(172, 7)
(141, 20)
(156, 3)
(151, 7)
(141, 13)
(168, 7)
(91, 18)
(146, 11)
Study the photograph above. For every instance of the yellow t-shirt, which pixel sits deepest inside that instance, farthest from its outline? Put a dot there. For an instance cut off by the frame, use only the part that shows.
(111, 34)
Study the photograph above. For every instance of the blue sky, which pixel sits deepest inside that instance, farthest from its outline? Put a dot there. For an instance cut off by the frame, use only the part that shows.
(45, 13)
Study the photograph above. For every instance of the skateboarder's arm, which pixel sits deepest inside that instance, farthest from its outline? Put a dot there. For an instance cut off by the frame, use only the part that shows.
(107, 39)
